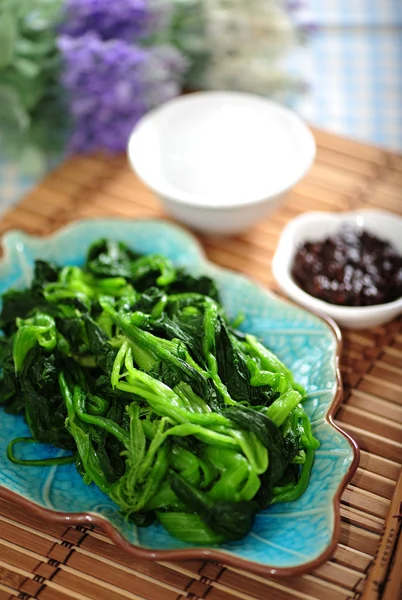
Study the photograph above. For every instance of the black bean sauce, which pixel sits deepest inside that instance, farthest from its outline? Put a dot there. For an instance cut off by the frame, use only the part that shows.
(352, 267)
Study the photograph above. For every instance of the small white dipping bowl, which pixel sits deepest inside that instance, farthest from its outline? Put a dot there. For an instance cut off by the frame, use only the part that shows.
(316, 226)
(221, 161)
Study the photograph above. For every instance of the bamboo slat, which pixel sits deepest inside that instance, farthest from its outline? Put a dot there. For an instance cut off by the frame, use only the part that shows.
(47, 561)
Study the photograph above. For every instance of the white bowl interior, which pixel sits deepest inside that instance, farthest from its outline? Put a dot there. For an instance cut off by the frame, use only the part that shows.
(221, 148)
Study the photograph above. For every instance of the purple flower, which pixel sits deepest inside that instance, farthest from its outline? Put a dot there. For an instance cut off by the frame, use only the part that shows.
(122, 19)
(294, 5)
(111, 84)
(301, 17)
(308, 27)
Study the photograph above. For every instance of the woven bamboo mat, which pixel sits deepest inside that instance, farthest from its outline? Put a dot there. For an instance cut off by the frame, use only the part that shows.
(53, 562)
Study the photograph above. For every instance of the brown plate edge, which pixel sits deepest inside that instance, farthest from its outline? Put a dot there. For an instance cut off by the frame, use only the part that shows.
(88, 519)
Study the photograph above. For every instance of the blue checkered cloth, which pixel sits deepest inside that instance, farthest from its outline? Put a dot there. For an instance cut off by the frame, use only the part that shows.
(13, 185)
(354, 65)
(356, 70)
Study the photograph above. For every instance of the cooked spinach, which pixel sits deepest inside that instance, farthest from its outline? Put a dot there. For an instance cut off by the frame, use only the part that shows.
(132, 366)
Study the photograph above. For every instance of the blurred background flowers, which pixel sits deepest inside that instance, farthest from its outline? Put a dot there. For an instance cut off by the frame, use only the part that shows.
(76, 75)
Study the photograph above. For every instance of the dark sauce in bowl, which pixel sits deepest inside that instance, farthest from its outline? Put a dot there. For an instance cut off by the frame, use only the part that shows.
(352, 268)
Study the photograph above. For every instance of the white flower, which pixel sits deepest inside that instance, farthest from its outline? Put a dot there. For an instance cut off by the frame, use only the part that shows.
(246, 41)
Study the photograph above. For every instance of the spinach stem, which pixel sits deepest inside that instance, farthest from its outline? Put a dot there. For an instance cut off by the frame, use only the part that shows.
(36, 462)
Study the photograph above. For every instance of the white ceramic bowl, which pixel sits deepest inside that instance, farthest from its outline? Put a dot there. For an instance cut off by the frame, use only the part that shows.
(221, 161)
(316, 226)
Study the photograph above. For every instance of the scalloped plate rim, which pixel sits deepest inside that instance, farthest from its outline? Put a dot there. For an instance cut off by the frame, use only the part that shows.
(95, 519)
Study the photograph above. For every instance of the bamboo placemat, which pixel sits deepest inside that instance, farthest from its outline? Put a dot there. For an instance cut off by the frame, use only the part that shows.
(52, 562)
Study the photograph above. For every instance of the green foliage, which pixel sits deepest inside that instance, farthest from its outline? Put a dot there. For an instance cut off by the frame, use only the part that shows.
(188, 31)
(32, 119)
(131, 365)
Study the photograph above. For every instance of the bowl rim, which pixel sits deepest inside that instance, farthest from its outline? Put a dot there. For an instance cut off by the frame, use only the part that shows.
(281, 265)
(199, 201)
(90, 519)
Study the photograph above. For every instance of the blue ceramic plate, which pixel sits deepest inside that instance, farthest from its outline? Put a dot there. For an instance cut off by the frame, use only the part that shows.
(287, 538)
